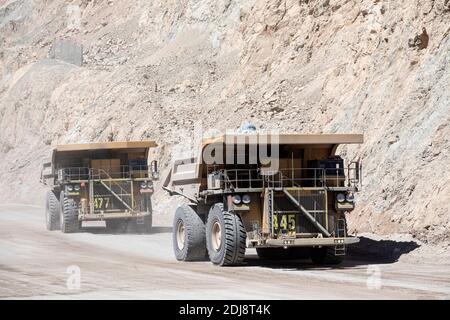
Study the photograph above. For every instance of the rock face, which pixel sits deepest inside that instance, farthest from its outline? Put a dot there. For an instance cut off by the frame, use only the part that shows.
(154, 69)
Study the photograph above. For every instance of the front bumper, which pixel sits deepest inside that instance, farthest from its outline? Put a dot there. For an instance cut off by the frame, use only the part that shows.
(111, 215)
(306, 242)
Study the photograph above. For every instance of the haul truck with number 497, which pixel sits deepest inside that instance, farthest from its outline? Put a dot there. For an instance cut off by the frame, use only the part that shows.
(111, 182)
(297, 209)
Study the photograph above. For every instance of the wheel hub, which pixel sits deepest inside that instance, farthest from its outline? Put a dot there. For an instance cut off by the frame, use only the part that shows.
(216, 236)
(180, 235)
(61, 217)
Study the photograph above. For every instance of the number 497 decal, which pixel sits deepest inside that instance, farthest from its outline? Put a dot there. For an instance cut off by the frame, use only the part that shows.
(287, 221)
(101, 203)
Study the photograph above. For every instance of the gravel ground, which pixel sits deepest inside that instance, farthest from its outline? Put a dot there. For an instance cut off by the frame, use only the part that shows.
(36, 263)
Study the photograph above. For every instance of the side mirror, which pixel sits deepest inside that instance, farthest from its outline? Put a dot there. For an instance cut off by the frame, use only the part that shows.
(46, 172)
(154, 169)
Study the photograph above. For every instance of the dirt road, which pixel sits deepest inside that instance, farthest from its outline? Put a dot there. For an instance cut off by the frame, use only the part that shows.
(35, 263)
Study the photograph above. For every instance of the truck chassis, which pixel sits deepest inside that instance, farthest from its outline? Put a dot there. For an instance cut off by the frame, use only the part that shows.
(293, 212)
(114, 187)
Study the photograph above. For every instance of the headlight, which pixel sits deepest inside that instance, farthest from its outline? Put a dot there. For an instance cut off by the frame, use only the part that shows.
(246, 199)
(69, 188)
(237, 199)
(143, 185)
(76, 187)
(340, 197)
(350, 197)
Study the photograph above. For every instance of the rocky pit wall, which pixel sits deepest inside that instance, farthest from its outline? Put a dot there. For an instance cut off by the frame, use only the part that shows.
(154, 69)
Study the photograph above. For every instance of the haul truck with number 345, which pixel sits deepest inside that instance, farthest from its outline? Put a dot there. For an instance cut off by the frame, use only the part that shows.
(111, 182)
(295, 209)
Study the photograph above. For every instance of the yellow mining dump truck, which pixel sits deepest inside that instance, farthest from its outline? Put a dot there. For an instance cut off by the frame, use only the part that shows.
(291, 206)
(111, 182)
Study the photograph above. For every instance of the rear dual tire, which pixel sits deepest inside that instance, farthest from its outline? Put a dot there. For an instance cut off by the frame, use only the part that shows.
(222, 239)
(225, 237)
(69, 222)
(188, 236)
(52, 212)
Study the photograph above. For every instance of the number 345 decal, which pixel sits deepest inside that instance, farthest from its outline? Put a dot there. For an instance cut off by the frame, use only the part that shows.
(287, 221)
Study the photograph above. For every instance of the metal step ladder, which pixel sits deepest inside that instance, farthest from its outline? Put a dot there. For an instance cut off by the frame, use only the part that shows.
(271, 213)
(340, 249)
(119, 196)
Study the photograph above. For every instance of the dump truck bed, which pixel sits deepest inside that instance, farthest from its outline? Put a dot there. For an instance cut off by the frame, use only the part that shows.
(105, 145)
(289, 138)
(187, 172)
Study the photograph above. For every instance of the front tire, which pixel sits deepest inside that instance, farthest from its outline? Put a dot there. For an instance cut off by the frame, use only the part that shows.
(225, 237)
(188, 236)
(69, 215)
(52, 208)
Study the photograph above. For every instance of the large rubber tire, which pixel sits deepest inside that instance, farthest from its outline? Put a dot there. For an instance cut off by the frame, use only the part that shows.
(52, 208)
(69, 215)
(225, 237)
(325, 256)
(188, 235)
(273, 253)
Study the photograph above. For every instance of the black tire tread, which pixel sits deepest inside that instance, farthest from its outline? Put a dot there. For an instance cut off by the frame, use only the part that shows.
(52, 212)
(70, 223)
(234, 240)
(195, 241)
